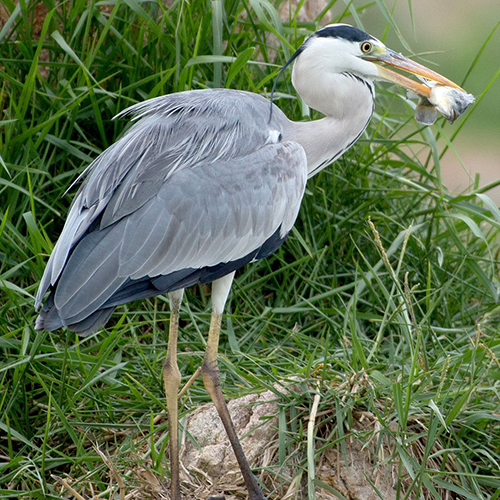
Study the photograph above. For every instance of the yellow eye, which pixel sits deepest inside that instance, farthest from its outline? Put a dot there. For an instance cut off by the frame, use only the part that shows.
(366, 47)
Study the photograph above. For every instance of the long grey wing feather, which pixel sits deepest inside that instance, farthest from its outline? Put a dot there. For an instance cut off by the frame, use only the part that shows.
(93, 269)
(174, 132)
(274, 179)
(215, 191)
(133, 230)
(190, 130)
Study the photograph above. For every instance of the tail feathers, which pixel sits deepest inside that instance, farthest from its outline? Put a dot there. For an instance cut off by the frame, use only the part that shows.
(49, 319)
(93, 322)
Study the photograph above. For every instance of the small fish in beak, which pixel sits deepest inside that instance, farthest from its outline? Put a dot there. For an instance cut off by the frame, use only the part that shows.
(449, 101)
(438, 94)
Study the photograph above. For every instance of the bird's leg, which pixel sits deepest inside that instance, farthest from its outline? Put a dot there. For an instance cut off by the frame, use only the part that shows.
(211, 379)
(172, 379)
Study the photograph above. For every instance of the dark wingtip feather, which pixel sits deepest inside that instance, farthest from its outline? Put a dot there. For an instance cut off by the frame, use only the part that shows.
(92, 323)
(49, 319)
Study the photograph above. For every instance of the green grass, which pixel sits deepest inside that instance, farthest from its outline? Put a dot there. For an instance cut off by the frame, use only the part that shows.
(384, 298)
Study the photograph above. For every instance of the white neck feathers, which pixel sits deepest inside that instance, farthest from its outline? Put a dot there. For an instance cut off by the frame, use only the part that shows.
(346, 100)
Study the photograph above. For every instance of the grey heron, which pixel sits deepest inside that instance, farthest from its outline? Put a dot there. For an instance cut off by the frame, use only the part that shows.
(202, 183)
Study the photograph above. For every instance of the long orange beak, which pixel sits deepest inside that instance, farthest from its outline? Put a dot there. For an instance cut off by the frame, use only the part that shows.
(388, 57)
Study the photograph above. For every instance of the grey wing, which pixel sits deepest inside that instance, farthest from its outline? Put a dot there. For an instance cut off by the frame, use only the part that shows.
(213, 218)
(175, 132)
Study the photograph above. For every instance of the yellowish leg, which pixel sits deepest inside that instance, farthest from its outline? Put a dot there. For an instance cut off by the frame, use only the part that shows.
(172, 379)
(211, 379)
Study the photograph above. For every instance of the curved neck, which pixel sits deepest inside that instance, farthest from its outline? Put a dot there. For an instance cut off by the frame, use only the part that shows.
(346, 100)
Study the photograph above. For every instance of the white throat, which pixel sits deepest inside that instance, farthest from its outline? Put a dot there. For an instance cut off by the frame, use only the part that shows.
(347, 101)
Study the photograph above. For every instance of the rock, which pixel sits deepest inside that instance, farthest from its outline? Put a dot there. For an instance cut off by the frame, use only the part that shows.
(206, 448)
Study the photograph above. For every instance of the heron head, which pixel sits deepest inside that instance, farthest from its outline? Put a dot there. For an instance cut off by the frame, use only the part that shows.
(341, 48)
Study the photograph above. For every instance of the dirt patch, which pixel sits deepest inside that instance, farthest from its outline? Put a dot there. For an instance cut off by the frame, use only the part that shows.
(364, 465)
